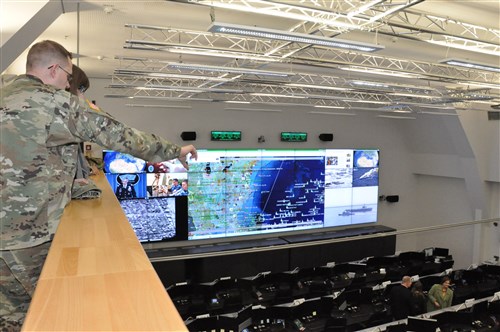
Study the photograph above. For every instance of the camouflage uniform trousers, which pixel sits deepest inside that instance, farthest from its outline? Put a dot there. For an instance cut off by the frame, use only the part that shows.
(19, 273)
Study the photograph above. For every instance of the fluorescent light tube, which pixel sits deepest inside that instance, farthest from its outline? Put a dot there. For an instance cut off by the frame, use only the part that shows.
(396, 117)
(241, 30)
(471, 65)
(312, 86)
(250, 109)
(233, 70)
(331, 113)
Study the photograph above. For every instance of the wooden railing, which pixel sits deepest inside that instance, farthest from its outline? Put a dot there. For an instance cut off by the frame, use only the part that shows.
(97, 276)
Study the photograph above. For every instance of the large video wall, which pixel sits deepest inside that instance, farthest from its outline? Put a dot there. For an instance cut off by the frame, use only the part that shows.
(244, 192)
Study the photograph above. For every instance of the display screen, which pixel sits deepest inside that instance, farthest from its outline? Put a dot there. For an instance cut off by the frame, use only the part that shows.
(243, 192)
(248, 192)
(153, 196)
(156, 219)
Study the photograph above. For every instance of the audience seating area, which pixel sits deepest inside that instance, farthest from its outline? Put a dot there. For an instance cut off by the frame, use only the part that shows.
(349, 296)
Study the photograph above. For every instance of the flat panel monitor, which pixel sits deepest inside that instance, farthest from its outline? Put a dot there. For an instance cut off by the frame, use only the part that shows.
(248, 192)
(157, 219)
(422, 324)
(257, 192)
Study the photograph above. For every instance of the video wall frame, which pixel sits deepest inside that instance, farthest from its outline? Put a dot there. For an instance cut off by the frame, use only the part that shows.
(229, 193)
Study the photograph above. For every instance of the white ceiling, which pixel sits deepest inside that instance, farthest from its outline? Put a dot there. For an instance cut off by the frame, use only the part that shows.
(96, 32)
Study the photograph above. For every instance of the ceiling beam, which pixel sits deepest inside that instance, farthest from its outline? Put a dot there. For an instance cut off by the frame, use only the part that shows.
(28, 33)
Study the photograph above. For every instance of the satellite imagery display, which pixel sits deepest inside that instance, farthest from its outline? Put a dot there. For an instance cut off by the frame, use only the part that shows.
(244, 192)
(239, 195)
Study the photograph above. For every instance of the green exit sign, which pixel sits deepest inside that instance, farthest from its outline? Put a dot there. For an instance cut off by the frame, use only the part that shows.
(293, 137)
(226, 135)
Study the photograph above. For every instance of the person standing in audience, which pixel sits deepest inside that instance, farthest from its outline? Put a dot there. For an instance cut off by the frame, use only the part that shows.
(418, 299)
(400, 299)
(440, 295)
(41, 126)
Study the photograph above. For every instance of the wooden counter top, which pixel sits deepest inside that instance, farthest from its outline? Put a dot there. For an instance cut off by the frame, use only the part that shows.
(97, 276)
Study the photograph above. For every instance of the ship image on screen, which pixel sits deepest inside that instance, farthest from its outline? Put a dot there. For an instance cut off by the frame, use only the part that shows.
(151, 219)
(243, 192)
(351, 187)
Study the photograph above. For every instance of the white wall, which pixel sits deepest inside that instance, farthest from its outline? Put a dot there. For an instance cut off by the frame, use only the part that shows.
(428, 162)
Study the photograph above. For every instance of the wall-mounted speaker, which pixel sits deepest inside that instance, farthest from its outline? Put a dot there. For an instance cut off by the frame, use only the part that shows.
(326, 137)
(188, 135)
(392, 198)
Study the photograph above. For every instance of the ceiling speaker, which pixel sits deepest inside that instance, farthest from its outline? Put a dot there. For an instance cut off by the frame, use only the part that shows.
(188, 135)
(326, 137)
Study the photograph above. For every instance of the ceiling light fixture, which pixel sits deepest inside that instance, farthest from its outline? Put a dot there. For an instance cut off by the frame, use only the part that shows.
(240, 30)
(221, 54)
(159, 106)
(466, 44)
(364, 8)
(394, 9)
(396, 117)
(326, 106)
(332, 113)
(438, 113)
(188, 89)
(470, 65)
(276, 9)
(194, 50)
(370, 84)
(481, 85)
(160, 98)
(412, 95)
(251, 109)
(312, 86)
(276, 95)
(378, 71)
(144, 73)
(236, 102)
(232, 70)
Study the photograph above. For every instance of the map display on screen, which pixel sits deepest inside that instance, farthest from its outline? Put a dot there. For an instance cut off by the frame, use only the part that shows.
(242, 192)
(247, 192)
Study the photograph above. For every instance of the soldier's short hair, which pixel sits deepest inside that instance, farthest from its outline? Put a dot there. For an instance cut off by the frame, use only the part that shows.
(45, 53)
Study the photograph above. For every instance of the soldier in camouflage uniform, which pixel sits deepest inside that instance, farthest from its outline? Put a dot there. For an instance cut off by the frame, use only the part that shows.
(41, 126)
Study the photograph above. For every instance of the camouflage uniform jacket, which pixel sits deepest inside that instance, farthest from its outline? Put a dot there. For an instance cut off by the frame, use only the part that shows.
(40, 128)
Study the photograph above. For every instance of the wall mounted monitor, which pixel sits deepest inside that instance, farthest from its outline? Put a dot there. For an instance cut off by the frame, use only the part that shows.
(258, 192)
(117, 162)
(157, 219)
(248, 192)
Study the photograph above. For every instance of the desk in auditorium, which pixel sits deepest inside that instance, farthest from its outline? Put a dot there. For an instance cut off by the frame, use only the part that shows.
(97, 276)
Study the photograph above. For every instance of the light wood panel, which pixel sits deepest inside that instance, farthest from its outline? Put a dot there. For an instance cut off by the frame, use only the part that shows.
(97, 276)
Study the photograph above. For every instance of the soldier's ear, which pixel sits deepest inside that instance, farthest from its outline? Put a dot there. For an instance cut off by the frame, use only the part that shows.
(52, 71)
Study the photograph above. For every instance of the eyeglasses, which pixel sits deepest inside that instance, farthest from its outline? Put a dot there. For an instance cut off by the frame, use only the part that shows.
(69, 76)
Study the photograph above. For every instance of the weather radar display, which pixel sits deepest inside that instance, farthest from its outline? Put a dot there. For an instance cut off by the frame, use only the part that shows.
(117, 162)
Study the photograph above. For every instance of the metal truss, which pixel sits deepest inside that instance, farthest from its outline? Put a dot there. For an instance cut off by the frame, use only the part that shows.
(236, 47)
(155, 80)
(443, 31)
(341, 14)
(389, 17)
